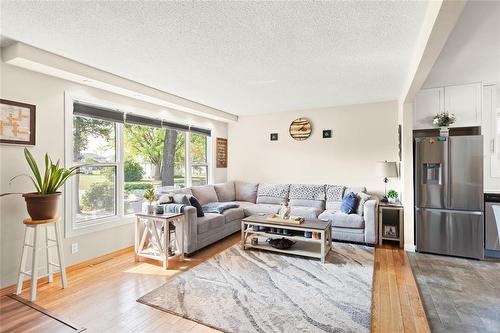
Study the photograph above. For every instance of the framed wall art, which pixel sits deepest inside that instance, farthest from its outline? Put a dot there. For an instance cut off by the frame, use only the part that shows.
(221, 148)
(17, 123)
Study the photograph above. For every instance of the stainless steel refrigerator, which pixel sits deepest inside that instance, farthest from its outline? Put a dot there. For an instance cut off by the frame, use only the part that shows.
(449, 195)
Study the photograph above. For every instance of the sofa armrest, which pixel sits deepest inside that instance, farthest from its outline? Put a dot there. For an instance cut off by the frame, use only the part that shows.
(190, 229)
(371, 217)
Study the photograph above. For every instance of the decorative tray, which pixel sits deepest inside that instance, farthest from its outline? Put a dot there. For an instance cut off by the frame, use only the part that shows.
(291, 220)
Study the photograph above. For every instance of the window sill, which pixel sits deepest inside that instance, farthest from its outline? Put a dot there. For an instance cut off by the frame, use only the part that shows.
(103, 224)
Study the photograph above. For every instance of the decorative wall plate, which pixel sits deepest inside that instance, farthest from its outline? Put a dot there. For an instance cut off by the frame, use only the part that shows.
(300, 129)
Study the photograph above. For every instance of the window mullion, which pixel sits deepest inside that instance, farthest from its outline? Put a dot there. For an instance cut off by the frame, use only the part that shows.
(187, 144)
(120, 172)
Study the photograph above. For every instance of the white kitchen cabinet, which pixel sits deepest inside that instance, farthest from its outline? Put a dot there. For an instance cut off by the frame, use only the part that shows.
(465, 102)
(428, 103)
(491, 133)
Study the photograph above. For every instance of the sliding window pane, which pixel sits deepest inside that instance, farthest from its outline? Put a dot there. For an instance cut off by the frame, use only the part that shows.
(96, 186)
(198, 148)
(154, 158)
(199, 175)
(93, 140)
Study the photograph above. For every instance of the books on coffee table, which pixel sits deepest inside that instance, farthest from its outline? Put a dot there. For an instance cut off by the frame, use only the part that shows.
(291, 220)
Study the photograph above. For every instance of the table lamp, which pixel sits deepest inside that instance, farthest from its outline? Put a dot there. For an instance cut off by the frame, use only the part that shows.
(386, 170)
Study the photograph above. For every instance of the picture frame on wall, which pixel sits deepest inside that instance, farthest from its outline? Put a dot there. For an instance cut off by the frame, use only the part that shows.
(17, 123)
(221, 149)
(327, 134)
(274, 136)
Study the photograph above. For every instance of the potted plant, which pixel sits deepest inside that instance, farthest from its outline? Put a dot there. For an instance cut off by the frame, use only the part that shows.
(392, 196)
(149, 195)
(43, 203)
(443, 120)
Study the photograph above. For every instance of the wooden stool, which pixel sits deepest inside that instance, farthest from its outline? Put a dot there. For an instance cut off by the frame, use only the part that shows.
(36, 246)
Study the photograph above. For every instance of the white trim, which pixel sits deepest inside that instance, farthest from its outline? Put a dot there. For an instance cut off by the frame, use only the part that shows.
(409, 247)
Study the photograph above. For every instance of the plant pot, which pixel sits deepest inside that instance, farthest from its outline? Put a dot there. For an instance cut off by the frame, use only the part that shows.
(392, 200)
(151, 209)
(42, 206)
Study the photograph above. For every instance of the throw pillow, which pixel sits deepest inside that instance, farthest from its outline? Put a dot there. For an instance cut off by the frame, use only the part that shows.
(196, 204)
(165, 199)
(181, 199)
(362, 198)
(349, 203)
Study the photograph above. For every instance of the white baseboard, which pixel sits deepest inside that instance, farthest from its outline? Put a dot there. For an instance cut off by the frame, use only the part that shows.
(409, 247)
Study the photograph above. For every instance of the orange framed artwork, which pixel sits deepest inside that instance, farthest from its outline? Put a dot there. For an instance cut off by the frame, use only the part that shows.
(221, 149)
(17, 123)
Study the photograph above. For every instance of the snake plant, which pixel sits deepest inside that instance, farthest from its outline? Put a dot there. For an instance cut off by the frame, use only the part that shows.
(53, 178)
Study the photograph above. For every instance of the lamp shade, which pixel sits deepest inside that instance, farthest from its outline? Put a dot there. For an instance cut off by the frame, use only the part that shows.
(387, 169)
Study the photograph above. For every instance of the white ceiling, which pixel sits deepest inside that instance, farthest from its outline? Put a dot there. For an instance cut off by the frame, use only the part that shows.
(239, 57)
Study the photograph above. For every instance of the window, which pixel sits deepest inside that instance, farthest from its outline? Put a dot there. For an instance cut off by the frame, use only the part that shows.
(94, 146)
(121, 155)
(154, 157)
(199, 162)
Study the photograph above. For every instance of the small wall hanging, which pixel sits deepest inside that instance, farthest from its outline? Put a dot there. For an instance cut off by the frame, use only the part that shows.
(274, 137)
(300, 129)
(221, 148)
(327, 134)
(17, 122)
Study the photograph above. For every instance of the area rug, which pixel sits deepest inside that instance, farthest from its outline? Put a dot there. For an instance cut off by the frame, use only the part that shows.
(260, 291)
(459, 295)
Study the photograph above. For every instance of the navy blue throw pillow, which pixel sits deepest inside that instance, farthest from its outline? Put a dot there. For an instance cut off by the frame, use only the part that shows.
(196, 204)
(349, 203)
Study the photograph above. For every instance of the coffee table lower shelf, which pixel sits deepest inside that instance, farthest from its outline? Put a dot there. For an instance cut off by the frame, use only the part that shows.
(306, 247)
(300, 248)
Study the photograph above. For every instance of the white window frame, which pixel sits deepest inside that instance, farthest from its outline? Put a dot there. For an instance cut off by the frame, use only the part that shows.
(73, 229)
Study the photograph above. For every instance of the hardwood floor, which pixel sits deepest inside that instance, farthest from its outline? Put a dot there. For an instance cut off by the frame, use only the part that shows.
(102, 297)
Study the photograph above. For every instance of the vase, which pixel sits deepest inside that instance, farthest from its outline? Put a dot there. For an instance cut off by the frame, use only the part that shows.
(444, 131)
(392, 200)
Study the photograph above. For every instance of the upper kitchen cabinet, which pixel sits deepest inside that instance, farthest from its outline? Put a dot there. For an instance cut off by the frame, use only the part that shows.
(464, 101)
(428, 103)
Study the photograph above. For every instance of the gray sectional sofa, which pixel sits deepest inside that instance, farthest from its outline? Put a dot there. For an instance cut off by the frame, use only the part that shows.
(306, 200)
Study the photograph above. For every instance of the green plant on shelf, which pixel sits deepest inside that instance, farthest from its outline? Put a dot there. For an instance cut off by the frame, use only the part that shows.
(392, 194)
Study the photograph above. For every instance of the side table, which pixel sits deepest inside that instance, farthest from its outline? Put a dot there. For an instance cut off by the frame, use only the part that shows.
(390, 215)
(156, 232)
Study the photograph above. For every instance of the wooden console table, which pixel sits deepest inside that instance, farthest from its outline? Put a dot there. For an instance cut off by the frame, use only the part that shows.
(156, 232)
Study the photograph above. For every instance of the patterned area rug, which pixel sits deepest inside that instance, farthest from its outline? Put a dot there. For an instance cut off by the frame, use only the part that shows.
(259, 291)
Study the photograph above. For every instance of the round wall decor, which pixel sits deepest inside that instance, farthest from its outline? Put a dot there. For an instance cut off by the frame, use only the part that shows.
(300, 129)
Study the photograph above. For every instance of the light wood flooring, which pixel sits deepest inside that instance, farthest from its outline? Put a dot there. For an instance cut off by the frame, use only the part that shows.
(102, 295)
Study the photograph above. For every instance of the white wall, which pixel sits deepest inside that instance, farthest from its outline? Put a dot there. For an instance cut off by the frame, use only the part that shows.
(472, 52)
(361, 135)
(47, 93)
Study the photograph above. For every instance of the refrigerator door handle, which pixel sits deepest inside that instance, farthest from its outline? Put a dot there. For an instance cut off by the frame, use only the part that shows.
(451, 211)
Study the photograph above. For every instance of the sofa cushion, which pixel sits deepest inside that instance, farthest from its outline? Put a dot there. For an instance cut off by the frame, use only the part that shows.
(205, 194)
(355, 189)
(307, 195)
(305, 212)
(334, 195)
(246, 191)
(209, 222)
(362, 198)
(349, 203)
(342, 220)
(273, 194)
(225, 191)
(233, 214)
(261, 209)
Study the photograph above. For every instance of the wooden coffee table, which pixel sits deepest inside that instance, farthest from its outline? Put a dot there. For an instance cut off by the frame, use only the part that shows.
(307, 247)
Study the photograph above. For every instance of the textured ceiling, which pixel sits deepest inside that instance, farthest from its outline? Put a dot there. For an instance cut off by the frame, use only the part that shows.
(240, 57)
